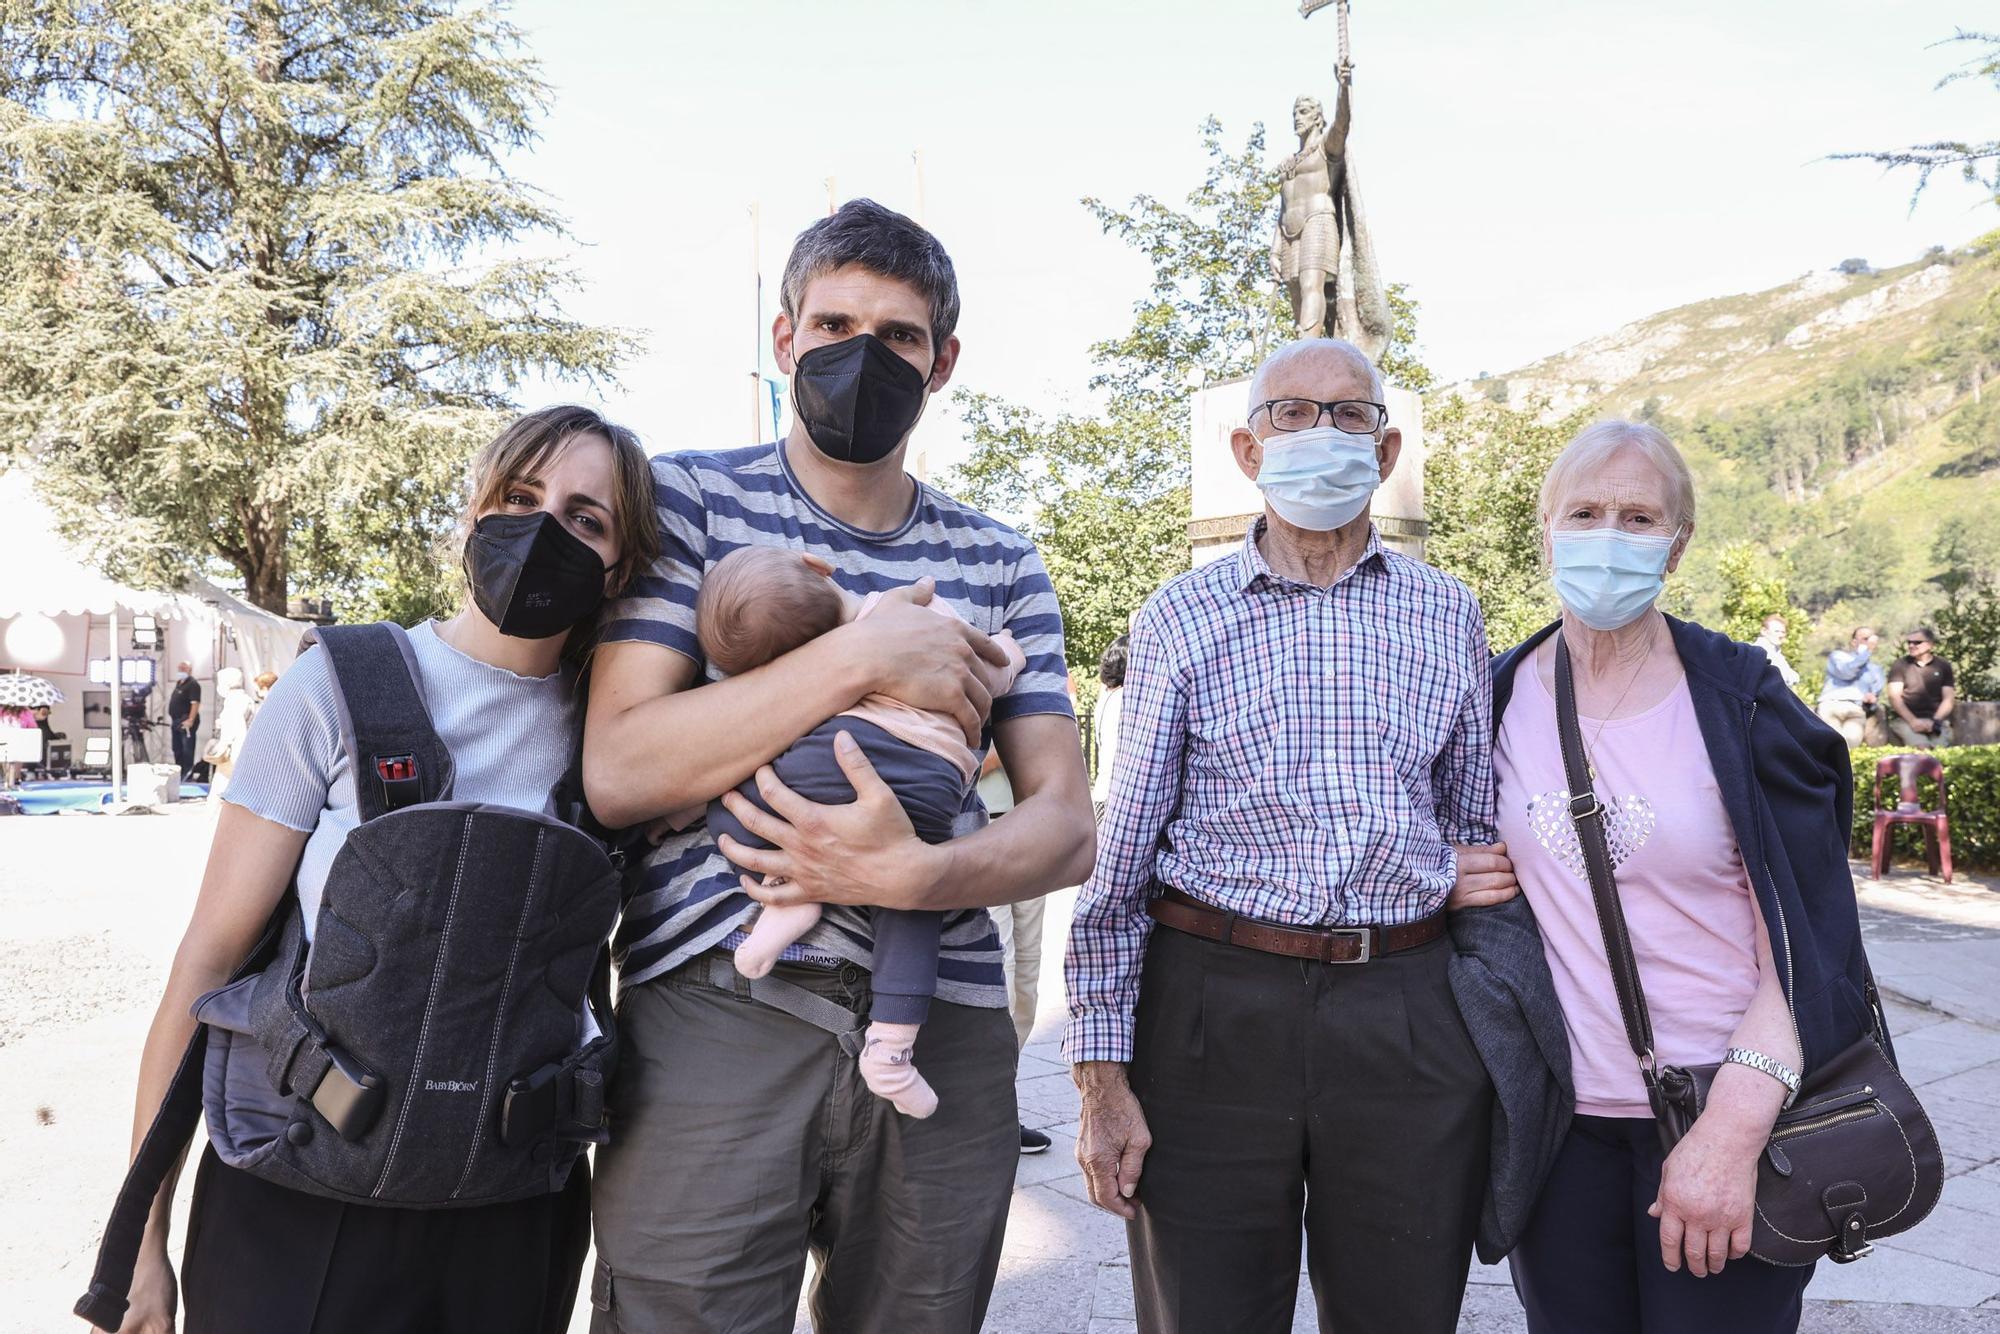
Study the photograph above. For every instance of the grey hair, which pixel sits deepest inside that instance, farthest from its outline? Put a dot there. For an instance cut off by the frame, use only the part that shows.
(1316, 347)
(1596, 443)
(882, 241)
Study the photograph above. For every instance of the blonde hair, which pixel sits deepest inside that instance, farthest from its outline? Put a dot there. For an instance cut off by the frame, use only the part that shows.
(1594, 446)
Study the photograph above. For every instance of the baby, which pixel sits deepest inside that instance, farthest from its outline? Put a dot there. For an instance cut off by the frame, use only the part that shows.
(757, 604)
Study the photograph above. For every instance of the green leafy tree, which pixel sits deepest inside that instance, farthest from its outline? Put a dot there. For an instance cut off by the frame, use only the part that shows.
(248, 309)
(1107, 496)
(1482, 493)
(1968, 620)
(1754, 587)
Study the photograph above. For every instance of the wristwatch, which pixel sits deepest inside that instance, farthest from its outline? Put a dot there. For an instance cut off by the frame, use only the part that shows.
(1757, 1060)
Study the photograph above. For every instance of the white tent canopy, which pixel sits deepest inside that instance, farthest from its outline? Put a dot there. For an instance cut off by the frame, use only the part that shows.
(57, 615)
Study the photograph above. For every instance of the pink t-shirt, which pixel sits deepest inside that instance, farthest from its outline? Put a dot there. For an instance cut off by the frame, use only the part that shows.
(938, 733)
(1680, 877)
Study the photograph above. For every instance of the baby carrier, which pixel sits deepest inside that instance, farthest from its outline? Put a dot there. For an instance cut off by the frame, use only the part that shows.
(445, 1037)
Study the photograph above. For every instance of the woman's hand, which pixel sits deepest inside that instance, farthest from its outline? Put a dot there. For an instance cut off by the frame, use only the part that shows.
(1708, 1189)
(155, 1296)
(1485, 876)
(863, 852)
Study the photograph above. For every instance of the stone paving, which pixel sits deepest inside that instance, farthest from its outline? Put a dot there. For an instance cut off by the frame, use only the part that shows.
(93, 907)
(1936, 948)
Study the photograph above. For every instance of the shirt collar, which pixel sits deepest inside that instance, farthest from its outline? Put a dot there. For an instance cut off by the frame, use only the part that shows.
(1255, 574)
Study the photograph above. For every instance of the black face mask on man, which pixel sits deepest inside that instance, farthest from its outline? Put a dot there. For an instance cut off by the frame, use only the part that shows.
(857, 398)
(530, 576)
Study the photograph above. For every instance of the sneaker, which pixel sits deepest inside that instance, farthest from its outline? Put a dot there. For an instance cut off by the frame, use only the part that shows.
(1034, 1141)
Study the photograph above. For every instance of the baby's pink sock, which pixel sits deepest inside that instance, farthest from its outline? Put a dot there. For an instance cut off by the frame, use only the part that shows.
(889, 1073)
(774, 929)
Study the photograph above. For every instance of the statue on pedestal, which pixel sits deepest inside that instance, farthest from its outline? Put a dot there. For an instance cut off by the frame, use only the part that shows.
(1321, 250)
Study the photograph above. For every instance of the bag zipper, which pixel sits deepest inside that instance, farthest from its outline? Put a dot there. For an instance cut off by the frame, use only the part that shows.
(1823, 1122)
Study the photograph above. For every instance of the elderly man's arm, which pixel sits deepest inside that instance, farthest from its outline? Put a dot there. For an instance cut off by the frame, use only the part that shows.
(1462, 775)
(1108, 934)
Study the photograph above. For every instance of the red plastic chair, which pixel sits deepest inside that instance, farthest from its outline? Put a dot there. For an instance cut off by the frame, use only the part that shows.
(1908, 810)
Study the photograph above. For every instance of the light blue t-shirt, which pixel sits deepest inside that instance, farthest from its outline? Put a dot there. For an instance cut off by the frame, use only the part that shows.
(511, 738)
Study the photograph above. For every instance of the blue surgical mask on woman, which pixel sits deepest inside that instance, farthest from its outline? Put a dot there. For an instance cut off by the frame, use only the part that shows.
(1319, 479)
(1607, 578)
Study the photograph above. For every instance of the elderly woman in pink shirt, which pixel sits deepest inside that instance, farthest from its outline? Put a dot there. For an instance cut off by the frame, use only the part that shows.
(1725, 812)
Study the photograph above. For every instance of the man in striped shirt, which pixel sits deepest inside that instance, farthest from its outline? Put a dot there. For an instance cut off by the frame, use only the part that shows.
(1260, 1018)
(745, 1137)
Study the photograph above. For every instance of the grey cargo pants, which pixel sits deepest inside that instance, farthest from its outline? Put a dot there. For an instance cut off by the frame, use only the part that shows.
(742, 1137)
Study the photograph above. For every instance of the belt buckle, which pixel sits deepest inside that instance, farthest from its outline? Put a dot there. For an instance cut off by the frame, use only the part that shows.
(1364, 934)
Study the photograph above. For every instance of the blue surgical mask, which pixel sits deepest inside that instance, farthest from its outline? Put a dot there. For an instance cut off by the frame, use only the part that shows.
(1607, 578)
(1319, 479)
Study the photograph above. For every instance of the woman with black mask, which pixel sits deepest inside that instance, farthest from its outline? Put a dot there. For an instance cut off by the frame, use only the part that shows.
(560, 515)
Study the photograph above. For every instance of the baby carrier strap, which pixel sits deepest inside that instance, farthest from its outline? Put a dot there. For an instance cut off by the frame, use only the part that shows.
(105, 1303)
(394, 751)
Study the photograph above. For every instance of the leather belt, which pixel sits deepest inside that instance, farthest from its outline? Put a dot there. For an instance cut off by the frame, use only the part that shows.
(1324, 944)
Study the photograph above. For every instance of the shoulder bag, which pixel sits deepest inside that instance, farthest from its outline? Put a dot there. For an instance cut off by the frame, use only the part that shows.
(1853, 1157)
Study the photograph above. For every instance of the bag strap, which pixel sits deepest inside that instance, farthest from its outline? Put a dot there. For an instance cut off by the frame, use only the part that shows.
(105, 1302)
(392, 747)
(1587, 814)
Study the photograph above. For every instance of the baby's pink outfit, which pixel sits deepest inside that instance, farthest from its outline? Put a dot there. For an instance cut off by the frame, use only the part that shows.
(886, 1064)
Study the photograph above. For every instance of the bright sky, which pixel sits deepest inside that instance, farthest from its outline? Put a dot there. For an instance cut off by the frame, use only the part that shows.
(1537, 171)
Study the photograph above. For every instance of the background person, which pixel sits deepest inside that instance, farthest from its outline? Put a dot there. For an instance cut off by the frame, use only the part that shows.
(1853, 686)
(1021, 926)
(260, 1257)
(1624, 1237)
(233, 709)
(1104, 718)
(1771, 638)
(1922, 693)
(183, 716)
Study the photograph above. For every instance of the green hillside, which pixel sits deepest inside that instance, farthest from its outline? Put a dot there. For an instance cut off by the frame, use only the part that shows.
(1838, 423)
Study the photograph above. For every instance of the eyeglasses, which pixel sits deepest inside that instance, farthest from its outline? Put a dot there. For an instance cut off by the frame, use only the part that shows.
(1915, 643)
(1355, 415)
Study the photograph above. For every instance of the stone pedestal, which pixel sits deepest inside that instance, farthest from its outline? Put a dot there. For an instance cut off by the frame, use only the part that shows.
(1225, 501)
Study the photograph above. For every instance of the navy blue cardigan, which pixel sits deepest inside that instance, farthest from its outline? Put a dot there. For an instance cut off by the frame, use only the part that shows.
(1788, 784)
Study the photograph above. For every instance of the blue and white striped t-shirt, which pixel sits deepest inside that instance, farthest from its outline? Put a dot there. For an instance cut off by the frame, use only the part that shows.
(685, 899)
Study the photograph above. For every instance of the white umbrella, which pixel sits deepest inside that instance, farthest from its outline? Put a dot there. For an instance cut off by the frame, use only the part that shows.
(27, 692)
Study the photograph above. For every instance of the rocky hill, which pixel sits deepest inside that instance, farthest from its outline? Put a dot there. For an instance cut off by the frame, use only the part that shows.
(1736, 350)
(1839, 421)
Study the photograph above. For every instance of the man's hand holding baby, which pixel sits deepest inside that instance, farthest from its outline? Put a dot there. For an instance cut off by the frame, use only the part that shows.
(866, 852)
(925, 660)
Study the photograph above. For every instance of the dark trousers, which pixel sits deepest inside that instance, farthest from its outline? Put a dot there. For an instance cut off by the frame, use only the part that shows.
(264, 1259)
(744, 1139)
(1344, 1101)
(904, 961)
(1590, 1259)
(184, 748)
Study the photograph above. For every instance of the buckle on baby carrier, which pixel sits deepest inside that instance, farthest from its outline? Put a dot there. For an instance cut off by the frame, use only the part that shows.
(400, 784)
(348, 1095)
(562, 1099)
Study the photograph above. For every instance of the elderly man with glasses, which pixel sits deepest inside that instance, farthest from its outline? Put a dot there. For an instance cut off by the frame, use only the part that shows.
(1260, 1018)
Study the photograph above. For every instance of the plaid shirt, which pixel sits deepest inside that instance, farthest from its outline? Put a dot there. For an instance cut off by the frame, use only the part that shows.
(1294, 754)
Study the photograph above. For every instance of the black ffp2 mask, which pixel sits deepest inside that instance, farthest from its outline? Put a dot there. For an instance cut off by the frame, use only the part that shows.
(857, 398)
(531, 577)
